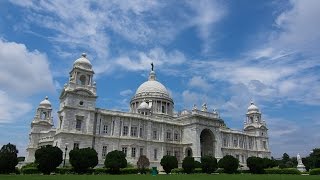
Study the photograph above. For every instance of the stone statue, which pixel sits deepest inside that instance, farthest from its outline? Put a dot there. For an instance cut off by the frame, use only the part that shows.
(194, 107)
(204, 107)
(299, 159)
(152, 66)
(300, 165)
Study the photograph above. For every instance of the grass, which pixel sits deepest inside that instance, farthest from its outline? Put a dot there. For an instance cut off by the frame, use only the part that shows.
(160, 177)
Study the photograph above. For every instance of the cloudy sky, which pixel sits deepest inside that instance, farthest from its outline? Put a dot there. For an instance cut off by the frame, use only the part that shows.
(224, 53)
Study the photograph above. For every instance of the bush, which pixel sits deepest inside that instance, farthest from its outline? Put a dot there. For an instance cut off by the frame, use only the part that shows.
(83, 159)
(100, 171)
(130, 171)
(177, 171)
(143, 164)
(64, 170)
(197, 164)
(168, 163)
(282, 171)
(229, 164)
(315, 171)
(209, 164)
(8, 158)
(188, 164)
(256, 165)
(115, 160)
(48, 158)
(30, 170)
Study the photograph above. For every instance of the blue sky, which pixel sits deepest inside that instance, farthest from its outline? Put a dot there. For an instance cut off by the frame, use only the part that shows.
(224, 53)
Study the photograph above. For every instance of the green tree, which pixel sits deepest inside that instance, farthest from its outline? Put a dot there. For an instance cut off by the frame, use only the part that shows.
(168, 163)
(188, 164)
(143, 164)
(83, 159)
(208, 164)
(229, 164)
(256, 165)
(8, 158)
(315, 158)
(48, 158)
(115, 160)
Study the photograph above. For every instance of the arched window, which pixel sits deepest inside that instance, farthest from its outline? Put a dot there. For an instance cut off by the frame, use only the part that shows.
(43, 115)
(82, 80)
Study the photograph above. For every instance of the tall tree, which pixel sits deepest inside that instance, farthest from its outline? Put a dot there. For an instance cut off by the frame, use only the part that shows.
(8, 158)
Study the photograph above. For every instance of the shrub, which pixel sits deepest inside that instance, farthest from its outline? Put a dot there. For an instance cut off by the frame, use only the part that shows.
(315, 171)
(209, 164)
(8, 158)
(64, 170)
(129, 171)
(177, 171)
(282, 171)
(168, 163)
(142, 164)
(30, 170)
(100, 171)
(115, 160)
(48, 158)
(197, 164)
(83, 159)
(229, 164)
(256, 165)
(188, 164)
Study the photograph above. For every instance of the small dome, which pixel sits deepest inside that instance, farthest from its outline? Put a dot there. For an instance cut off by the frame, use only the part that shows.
(253, 108)
(144, 105)
(45, 102)
(185, 112)
(83, 62)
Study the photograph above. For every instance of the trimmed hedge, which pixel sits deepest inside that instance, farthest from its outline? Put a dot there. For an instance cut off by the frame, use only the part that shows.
(180, 171)
(282, 171)
(30, 170)
(130, 171)
(315, 171)
(64, 170)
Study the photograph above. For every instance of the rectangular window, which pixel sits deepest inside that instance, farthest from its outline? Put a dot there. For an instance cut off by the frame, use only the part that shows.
(225, 142)
(155, 154)
(105, 129)
(264, 144)
(168, 153)
(176, 136)
(124, 150)
(141, 132)
(75, 145)
(104, 151)
(134, 131)
(125, 131)
(154, 135)
(168, 135)
(141, 151)
(78, 125)
(235, 143)
(61, 119)
(133, 152)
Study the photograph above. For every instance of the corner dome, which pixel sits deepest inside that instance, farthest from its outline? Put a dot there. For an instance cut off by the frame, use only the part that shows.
(152, 87)
(45, 103)
(83, 62)
(253, 108)
(144, 105)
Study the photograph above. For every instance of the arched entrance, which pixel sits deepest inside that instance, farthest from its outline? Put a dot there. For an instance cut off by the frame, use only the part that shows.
(188, 152)
(207, 143)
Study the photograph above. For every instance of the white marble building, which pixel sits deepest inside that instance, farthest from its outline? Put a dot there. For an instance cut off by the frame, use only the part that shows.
(150, 128)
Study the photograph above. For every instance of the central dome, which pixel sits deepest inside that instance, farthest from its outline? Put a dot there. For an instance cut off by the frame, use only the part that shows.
(152, 87)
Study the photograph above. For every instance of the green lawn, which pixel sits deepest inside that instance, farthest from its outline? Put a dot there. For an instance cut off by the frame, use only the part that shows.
(166, 177)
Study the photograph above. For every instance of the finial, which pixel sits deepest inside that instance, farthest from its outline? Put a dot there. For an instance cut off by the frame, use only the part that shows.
(84, 55)
(46, 98)
(152, 66)
(251, 102)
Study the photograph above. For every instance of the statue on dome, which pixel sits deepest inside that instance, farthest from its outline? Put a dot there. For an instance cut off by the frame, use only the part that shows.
(204, 107)
(152, 66)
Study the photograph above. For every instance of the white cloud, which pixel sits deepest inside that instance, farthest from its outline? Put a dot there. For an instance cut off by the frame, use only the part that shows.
(126, 92)
(12, 109)
(22, 73)
(199, 82)
(141, 61)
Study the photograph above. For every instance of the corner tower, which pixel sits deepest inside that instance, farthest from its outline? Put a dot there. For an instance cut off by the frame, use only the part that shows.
(77, 104)
(41, 122)
(257, 127)
(152, 98)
